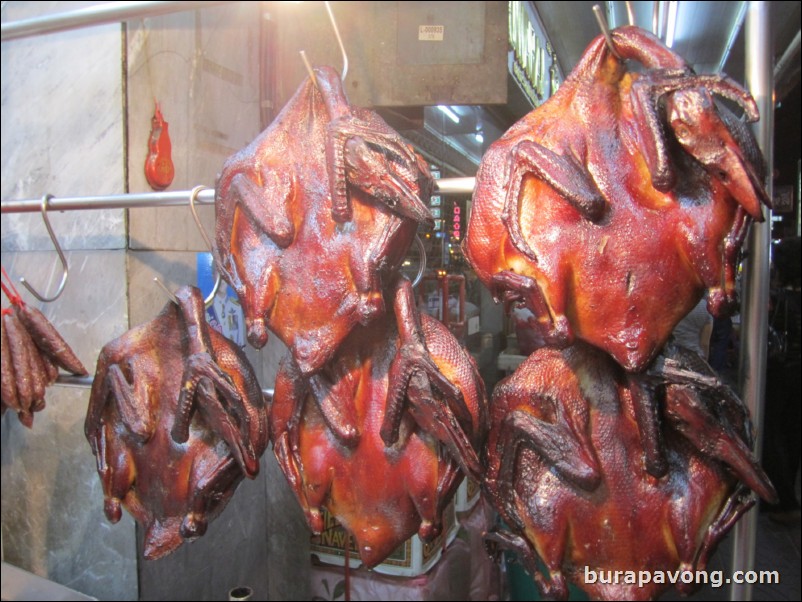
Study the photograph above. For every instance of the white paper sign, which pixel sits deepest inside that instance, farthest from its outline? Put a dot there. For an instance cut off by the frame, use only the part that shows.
(431, 33)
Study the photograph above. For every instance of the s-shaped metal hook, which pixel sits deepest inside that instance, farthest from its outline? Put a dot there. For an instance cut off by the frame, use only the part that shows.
(65, 268)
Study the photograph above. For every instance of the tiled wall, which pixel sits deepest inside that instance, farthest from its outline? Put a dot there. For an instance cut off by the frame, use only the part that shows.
(65, 99)
(62, 133)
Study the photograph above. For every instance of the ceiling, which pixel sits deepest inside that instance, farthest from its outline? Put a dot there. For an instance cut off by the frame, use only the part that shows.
(709, 35)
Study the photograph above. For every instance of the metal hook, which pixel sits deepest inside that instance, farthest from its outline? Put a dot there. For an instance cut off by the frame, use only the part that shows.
(605, 30)
(339, 40)
(421, 263)
(309, 68)
(193, 196)
(65, 268)
(342, 50)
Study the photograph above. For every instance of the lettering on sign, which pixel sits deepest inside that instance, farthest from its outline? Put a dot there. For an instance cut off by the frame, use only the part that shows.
(431, 33)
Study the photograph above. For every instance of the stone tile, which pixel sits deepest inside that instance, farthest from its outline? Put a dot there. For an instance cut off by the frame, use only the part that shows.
(62, 132)
(231, 554)
(52, 502)
(203, 69)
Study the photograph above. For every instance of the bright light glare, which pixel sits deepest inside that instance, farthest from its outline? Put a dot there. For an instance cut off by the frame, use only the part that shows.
(672, 22)
(479, 137)
(451, 114)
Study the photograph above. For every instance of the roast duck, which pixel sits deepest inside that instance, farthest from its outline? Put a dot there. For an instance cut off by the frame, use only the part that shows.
(373, 409)
(565, 471)
(176, 419)
(611, 208)
(32, 352)
(608, 211)
(383, 494)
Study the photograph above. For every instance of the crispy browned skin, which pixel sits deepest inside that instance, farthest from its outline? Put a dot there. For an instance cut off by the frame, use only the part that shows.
(610, 216)
(382, 494)
(313, 220)
(326, 181)
(564, 469)
(176, 419)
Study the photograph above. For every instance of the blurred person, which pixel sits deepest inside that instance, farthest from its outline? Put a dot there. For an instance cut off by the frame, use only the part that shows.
(781, 439)
(693, 331)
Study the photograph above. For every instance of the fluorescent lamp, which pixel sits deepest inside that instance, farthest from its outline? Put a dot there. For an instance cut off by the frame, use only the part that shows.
(672, 22)
(451, 114)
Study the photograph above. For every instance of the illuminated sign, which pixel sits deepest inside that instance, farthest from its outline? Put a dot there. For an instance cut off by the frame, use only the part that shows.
(528, 57)
(456, 225)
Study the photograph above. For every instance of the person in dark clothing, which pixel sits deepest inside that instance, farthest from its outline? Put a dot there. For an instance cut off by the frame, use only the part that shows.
(781, 440)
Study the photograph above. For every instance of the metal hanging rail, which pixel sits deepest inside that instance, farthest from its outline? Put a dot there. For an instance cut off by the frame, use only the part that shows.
(443, 186)
(755, 295)
(100, 14)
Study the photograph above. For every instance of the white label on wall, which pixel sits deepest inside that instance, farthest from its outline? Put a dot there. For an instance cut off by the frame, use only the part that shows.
(431, 33)
(473, 325)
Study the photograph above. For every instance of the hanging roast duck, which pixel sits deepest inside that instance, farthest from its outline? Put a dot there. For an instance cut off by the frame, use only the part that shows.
(612, 207)
(565, 471)
(383, 494)
(313, 220)
(608, 211)
(176, 419)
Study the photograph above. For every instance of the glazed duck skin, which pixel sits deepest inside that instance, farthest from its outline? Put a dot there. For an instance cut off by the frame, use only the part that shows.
(176, 419)
(383, 494)
(564, 469)
(607, 210)
(313, 220)
(325, 180)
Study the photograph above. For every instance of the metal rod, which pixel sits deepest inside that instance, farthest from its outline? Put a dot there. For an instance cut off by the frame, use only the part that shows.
(602, 21)
(173, 198)
(100, 14)
(789, 53)
(754, 319)
(455, 185)
(339, 40)
(736, 28)
(85, 382)
(111, 201)
(630, 13)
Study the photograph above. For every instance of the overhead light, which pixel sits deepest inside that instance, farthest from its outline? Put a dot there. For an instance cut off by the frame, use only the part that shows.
(673, 6)
(479, 137)
(451, 114)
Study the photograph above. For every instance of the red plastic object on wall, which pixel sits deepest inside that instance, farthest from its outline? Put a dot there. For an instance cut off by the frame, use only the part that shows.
(159, 169)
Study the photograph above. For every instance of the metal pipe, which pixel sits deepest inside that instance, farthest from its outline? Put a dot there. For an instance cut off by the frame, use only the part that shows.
(94, 15)
(172, 198)
(454, 185)
(111, 201)
(789, 53)
(754, 320)
(85, 382)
